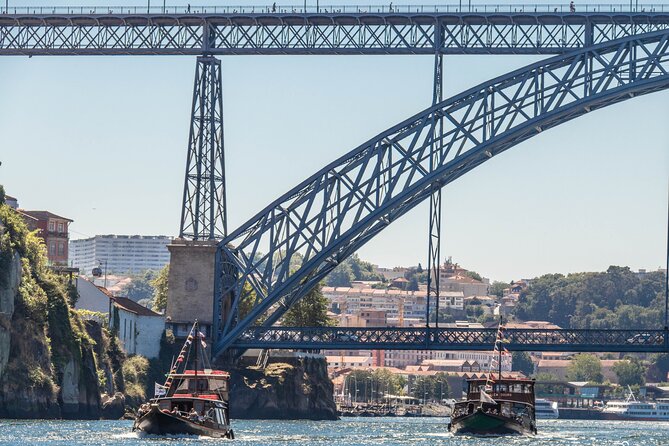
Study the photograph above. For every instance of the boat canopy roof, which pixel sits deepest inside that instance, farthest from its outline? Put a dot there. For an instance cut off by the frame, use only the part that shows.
(503, 380)
(206, 373)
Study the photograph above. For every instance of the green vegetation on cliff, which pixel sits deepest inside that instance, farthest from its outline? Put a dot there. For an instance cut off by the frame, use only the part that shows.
(51, 367)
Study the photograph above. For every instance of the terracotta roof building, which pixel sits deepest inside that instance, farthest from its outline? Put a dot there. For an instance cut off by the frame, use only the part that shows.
(53, 229)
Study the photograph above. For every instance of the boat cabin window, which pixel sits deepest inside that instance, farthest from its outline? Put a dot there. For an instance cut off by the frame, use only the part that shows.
(218, 385)
(198, 385)
(192, 385)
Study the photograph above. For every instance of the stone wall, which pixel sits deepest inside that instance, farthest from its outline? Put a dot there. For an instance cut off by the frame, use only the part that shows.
(190, 292)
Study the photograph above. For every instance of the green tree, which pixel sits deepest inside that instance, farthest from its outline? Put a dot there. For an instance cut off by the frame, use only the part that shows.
(2, 194)
(522, 362)
(247, 301)
(140, 286)
(474, 275)
(341, 276)
(545, 386)
(423, 388)
(413, 284)
(159, 284)
(585, 367)
(630, 372)
(310, 311)
(387, 383)
(659, 367)
(441, 389)
(358, 385)
(497, 288)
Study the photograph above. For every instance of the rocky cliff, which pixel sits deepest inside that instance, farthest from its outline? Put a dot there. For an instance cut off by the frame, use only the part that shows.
(296, 388)
(48, 367)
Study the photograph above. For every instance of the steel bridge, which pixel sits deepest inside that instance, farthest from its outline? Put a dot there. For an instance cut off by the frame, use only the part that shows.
(338, 209)
(484, 29)
(605, 54)
(433, 338)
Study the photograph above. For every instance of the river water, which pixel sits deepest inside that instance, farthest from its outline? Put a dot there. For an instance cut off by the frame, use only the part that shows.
(346, 432)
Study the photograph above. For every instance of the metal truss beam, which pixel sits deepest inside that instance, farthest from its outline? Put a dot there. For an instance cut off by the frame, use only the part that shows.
(203, 211)
(434, 234)
(84, 31)
(337, 210)
(339, 338)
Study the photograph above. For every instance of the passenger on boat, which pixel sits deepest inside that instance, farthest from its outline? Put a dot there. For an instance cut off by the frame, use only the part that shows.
(144, 408)
(192, 415)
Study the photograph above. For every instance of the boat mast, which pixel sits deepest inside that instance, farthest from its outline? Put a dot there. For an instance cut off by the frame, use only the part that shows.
(197, 339)
(499, 360)
(666, 275)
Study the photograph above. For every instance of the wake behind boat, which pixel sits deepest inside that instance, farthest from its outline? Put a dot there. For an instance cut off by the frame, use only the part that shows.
(192, 402)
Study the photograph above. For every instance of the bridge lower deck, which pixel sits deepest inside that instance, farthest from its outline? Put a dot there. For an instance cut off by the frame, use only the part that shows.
(559, 340)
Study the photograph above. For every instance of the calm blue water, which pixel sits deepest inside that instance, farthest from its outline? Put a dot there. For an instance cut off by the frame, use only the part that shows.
(351, 431)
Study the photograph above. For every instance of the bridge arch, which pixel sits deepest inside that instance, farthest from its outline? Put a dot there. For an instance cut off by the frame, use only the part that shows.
(334, 212)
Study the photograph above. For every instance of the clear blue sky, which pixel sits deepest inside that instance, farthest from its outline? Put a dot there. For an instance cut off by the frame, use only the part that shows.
(102, 140)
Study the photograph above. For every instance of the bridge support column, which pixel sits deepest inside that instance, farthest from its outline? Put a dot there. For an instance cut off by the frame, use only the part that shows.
(193, 263)
(434, 242)
(203, 211)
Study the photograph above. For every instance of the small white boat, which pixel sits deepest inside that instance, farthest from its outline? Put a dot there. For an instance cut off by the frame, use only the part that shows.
(545, 409)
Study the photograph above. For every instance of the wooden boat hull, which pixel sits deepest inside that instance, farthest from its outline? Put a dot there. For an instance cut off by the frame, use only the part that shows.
(156, 422)
(481, 423)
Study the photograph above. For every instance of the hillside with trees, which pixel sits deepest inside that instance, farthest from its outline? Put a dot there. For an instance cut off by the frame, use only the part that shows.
(353, 268)
(616, 298)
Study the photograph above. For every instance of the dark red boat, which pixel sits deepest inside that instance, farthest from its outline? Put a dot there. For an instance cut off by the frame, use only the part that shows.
(496, 405)
(192, 402)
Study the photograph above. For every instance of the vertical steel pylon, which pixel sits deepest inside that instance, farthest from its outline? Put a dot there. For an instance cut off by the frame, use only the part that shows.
(434, 248)
(203, 212)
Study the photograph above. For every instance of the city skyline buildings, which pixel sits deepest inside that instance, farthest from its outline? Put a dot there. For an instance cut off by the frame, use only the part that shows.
(579, 197)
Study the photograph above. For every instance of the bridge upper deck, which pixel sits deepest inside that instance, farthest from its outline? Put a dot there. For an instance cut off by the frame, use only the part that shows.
(482, 29)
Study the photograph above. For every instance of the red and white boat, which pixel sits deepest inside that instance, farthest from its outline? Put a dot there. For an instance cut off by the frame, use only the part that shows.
(192, 401)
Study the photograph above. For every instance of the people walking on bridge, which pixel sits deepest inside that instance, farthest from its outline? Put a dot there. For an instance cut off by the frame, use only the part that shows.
(390, 7)
(274, 7)
(572, 6)
(189, 8)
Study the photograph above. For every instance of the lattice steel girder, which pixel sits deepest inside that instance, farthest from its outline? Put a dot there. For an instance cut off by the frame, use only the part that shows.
(337, 210)
(203, 211)
(434, 228)
(333, 338)
(318, 33)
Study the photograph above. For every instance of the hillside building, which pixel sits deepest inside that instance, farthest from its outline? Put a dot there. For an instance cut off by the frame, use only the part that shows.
(123, 253)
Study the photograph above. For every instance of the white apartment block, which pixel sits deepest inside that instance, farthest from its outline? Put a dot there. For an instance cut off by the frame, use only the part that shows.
(356, 300)
(123, 253)
(403, 358)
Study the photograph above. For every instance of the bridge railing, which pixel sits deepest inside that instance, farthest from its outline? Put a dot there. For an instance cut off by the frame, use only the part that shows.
(270, 8)
(453, 339)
